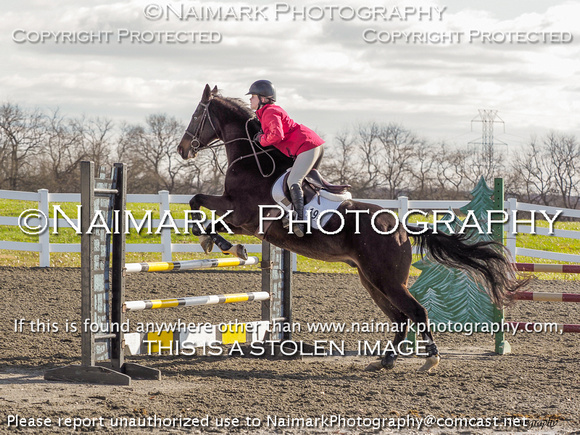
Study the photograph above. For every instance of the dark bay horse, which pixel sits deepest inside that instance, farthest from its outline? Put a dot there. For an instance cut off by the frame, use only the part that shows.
(383, 261)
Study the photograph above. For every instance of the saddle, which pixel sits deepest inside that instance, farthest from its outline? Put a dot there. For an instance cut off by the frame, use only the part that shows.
(313, 184)
(319, 197)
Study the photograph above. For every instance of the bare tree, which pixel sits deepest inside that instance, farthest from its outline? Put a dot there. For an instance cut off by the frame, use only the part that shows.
(97, 139)
(395, 157)
(22, 136)
(366, 143)
(532, 166)
(150, 149)
(422, 174)
(340, 163)
(61, 152)
(564, 152)
(450, 168)
(379, 160)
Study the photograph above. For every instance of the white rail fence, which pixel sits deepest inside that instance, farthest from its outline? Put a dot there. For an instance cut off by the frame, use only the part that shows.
(163, 199)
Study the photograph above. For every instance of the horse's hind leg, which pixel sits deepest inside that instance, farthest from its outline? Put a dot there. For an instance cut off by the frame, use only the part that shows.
(405, 301)
(396, 317)
(399, 297)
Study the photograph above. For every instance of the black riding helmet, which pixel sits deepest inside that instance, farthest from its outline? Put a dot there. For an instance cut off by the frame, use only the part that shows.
(263, 88)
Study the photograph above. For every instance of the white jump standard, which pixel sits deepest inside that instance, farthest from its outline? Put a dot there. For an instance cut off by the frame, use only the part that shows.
(103, 298)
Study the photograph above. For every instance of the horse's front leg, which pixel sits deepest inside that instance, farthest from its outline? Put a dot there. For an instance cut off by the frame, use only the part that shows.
(220, 206)
(208, 240)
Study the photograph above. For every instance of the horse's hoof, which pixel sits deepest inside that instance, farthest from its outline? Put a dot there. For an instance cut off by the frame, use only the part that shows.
(238, 251)
(206, 243)
(388, 361)
(375, 366)
(431, 362)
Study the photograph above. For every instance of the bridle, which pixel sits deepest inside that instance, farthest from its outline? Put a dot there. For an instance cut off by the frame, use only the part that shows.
(218, 142)
(195, 136)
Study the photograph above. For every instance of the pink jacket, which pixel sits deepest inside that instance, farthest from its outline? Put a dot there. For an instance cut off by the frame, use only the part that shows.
(285, 134)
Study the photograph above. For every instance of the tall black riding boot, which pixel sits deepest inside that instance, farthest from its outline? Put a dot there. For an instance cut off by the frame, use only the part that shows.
(298, 202)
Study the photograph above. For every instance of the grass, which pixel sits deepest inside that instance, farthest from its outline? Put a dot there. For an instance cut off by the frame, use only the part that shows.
(139, 210)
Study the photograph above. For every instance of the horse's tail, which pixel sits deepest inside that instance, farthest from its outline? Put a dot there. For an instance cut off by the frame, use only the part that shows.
(488, 262)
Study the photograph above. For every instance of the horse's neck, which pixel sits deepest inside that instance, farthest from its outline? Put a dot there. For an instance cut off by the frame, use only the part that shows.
(237, 134)
(254, 163)
(237, 142)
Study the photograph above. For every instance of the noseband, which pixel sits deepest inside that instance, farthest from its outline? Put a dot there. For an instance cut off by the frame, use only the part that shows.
(195, 136)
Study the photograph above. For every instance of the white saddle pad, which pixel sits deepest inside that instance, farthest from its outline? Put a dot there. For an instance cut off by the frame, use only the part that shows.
(321, 202)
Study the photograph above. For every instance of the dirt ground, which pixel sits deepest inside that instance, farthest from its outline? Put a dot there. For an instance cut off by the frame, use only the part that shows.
(534, 389)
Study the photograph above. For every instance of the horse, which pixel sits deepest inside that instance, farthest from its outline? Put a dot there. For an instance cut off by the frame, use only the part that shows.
(383, 261)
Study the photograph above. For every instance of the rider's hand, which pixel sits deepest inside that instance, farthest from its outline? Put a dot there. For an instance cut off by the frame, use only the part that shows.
(258, 137)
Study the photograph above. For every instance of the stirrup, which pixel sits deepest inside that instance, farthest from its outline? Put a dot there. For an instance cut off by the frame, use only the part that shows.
(299, 230)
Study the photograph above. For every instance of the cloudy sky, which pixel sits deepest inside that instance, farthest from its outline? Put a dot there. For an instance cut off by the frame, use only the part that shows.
(333, 66)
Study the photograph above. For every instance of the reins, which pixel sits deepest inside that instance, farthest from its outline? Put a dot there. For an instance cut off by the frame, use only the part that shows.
(220, 142)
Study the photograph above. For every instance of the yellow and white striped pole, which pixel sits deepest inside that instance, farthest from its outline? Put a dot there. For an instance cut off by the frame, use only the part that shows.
(164, 266)
(195, 300)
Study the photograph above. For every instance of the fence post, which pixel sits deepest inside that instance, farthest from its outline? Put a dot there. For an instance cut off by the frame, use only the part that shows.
(166, 254)
(511, 236)
(403, 206)
(44, 237)
(502, 346)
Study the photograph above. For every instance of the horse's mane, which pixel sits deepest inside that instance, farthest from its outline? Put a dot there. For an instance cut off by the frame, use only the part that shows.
(236, 105)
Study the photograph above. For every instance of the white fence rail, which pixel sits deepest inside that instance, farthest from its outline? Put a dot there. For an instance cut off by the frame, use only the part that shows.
(163, 199)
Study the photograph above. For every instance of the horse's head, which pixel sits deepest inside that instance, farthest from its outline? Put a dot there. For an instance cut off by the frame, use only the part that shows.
(201, 131)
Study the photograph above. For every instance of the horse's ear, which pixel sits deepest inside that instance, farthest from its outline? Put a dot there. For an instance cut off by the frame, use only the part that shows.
(206, 93)
(214, 91)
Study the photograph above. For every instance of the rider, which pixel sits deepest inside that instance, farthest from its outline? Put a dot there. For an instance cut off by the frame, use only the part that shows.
(294, 140)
